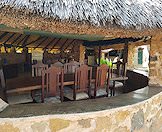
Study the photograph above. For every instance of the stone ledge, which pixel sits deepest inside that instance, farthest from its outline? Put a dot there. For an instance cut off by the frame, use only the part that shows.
(142, 116)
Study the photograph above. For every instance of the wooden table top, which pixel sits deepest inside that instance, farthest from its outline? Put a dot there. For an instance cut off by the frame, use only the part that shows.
(28, 83)
(28, 80)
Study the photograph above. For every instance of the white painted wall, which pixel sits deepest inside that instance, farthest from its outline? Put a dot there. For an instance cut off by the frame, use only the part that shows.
(145, 64)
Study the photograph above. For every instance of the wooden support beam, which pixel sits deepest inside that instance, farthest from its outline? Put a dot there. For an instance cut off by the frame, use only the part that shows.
(40, 43)
(63, 44)
(125, 58)
(39, 38)
(25, 40)
(20, 41)
(3, 35)
(7, 41)
(125, 54)
(99, 55)
(73, 46)
(56, 43)
(9, 38)
(51, 42)
(16, 39)
(69, 44)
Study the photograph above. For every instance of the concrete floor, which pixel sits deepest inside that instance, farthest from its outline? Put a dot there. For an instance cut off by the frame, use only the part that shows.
(35, 109)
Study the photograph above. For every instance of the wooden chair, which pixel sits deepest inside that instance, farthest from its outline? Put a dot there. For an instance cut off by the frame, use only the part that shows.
(102, 81)
(70, 67)
(37, 69)
(81, 89)
(52, 83)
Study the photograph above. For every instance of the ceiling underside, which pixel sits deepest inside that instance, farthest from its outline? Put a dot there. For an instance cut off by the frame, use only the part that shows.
(10, 37)
(34, 41)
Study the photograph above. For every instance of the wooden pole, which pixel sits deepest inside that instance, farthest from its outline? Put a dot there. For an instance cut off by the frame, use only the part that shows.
(99, 55)
(125, 58)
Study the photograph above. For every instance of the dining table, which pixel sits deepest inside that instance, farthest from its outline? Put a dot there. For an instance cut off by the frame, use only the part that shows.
(28, 83)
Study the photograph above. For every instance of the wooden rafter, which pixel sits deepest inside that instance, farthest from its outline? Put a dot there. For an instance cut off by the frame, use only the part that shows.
(41, 42)
(25, 40)
(20, 41)
(55, 43)
(9, 38)
(39, 38)
(63, 44)
(16, 39)
(3, 35)
(69, 44)
(7, 41)
(49, 43)
(73, 46)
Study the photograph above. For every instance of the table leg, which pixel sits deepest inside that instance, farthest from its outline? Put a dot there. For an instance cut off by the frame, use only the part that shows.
(32, 95)
(113, 89)
(124, 84)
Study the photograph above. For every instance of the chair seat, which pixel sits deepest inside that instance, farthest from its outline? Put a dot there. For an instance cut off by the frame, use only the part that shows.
(20, 98)
(47, 99)
(68, 93)
(99, 92)
(117, 84)
(55, 99)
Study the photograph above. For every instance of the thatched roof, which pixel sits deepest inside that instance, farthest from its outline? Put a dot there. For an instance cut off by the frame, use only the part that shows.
(77, 16)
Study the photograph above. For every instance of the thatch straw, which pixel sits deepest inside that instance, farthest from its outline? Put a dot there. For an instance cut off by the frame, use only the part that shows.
(138, 14)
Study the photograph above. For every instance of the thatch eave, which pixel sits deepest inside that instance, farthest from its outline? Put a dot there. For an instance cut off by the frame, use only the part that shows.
(18, 18)
(126, 14)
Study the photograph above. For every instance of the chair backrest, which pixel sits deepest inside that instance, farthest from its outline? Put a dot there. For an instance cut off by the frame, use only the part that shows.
(37, 69)
(83, 76)
(102, 76)
(57, 64)
(70, 67)
(53, 79)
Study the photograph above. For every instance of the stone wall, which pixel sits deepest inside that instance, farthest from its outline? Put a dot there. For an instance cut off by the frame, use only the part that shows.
(145, 116)
(155, 66)
(131, 53)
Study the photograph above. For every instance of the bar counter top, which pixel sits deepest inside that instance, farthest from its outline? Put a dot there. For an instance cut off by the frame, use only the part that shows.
(83, 106)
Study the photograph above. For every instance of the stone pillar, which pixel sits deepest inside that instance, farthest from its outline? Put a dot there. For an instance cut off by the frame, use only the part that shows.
(155, 64)
(82, 55)
(131, 53)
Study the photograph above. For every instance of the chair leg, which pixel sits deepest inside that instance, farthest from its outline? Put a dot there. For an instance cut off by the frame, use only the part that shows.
(107, 91)
(32, 95)
(95, 93)
(74, 94)
(61, 95)
(42, 96)
(111, 91)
